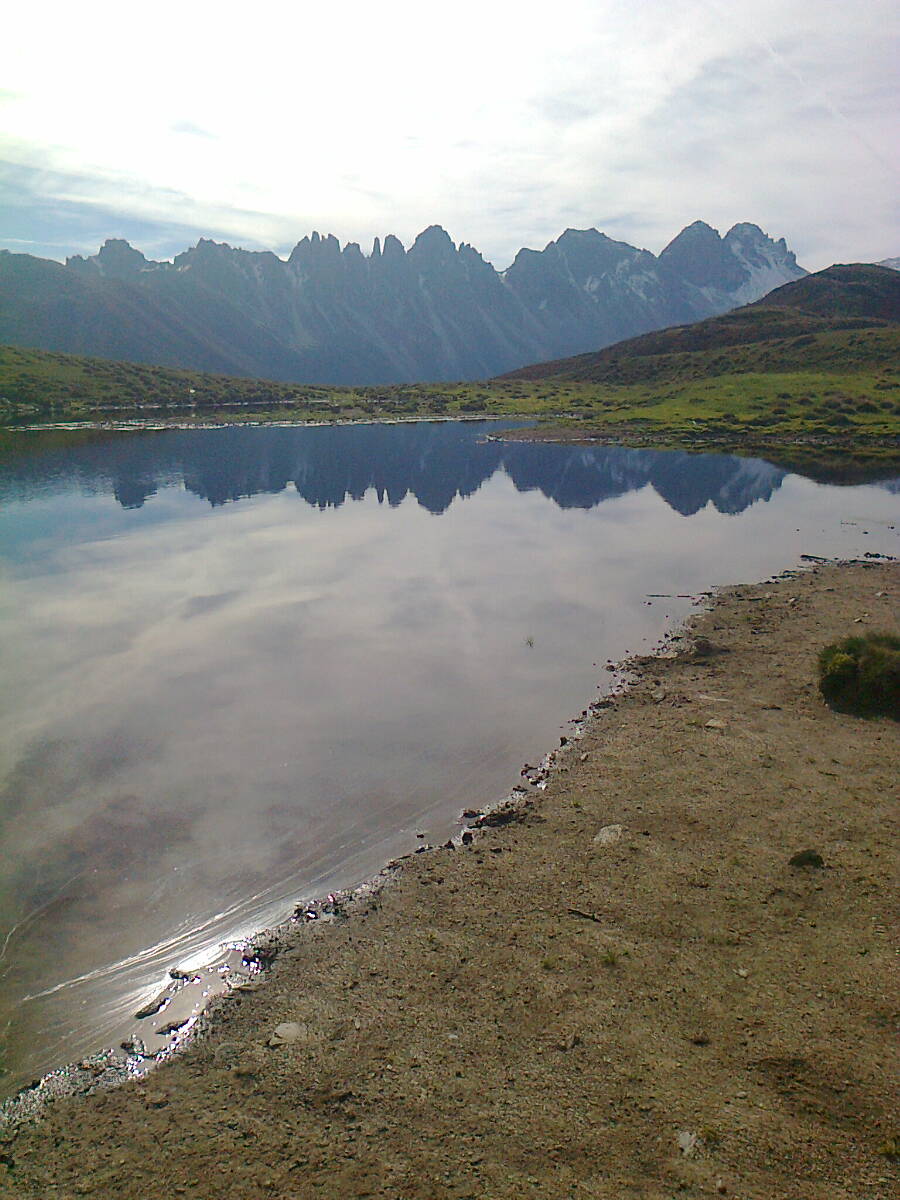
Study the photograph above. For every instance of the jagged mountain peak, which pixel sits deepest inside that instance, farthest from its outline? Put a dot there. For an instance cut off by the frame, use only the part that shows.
(209, 248)
(433, 245)
(116, 246)
(435, 234)
(468, 251)
(206, 253)
(572, 236)
(316, 249)
(744, 265)
(697, 233)
(579, 257)
(116, 259)
(595, 246)
(392, 250)
(586, 239)
(745, 237)
(744, 230)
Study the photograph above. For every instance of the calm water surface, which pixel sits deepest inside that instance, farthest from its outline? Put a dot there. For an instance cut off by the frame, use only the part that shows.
(244, 666)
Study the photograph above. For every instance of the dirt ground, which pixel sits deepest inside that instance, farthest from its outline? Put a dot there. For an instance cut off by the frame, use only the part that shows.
(669, 1009)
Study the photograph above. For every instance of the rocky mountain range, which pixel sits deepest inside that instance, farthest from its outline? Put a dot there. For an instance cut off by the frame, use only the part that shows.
(328, 314)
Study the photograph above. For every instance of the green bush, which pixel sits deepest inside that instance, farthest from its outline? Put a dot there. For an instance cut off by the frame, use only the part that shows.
(862, 675)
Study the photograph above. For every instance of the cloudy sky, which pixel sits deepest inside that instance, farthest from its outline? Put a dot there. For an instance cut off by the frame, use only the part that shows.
(503, 120)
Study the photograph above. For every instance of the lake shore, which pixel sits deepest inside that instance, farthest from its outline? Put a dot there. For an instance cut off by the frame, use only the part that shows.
(621, 989)
(822, 457)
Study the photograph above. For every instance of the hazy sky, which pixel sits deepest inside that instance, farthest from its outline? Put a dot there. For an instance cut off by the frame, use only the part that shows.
(503, 120)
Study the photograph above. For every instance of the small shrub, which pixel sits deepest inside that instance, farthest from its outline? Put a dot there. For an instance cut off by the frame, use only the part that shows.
(862, 675)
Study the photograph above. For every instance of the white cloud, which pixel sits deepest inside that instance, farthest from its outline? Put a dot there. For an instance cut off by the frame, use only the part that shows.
(504, 122)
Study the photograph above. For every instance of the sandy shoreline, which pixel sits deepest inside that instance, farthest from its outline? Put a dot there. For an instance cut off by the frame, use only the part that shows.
(670, 1009)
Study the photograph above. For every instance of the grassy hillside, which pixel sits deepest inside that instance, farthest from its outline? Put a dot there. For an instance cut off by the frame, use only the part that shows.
(832, 320)
(44, 386)
(844, 290)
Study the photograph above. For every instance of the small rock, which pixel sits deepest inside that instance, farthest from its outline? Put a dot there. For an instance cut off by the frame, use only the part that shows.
(609, 835)
(151, 1009)
(135, 1047)
(469, 814)
(715, 723)
(688, 1143)
(171, 1027)
(742, 972)
(807, 858)
(502, 816)
(658, 696)
(287, 1033)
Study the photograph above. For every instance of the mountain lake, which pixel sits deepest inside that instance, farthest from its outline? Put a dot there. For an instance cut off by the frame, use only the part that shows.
(246, 666)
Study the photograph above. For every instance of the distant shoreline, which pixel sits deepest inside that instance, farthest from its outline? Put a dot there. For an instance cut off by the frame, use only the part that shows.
(827, 458)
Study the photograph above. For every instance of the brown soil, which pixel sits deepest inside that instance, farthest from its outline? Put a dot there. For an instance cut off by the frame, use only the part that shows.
(679, 1012)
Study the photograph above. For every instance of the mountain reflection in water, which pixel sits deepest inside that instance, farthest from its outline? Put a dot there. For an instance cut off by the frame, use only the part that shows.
(435, 462)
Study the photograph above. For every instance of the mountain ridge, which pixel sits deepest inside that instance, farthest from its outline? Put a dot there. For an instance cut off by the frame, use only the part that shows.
(331, 314)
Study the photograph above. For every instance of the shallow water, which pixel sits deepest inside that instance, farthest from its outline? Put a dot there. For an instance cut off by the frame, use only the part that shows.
(245, 666)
